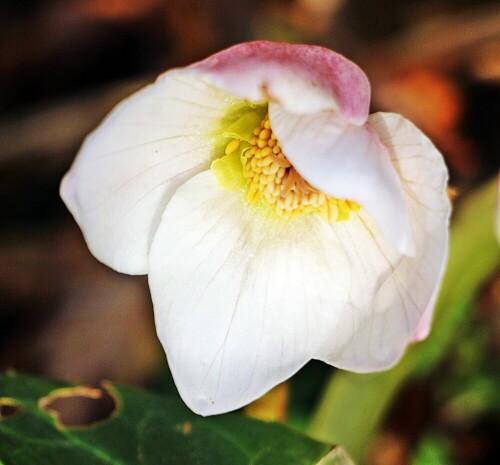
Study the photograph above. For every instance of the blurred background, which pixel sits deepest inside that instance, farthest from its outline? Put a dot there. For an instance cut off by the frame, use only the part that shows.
(65, 63)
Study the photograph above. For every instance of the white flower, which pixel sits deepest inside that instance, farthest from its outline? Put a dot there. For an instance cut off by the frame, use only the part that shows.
(320, 232)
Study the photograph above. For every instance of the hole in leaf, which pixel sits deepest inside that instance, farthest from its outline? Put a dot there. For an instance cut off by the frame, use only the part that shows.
(79, 407)
(8, 408)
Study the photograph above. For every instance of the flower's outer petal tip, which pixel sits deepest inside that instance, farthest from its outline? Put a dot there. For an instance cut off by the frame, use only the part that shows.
(204, 405)
(67, 192)
(266, 294)
(303, 79)
(424, 326)
(201, 404)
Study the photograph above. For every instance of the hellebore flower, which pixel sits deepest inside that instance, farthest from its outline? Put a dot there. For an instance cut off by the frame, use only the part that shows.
(277, 221)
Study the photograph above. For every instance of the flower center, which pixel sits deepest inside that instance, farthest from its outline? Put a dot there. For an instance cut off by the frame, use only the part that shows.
(271, 179)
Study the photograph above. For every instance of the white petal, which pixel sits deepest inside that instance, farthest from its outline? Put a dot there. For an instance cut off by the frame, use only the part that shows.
(424, 324)
(130, 166)
(390, 291)
(348, 162)
(242, 299)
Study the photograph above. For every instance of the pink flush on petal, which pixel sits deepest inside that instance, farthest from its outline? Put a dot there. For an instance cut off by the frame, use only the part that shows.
(424, 324)
(302, 78)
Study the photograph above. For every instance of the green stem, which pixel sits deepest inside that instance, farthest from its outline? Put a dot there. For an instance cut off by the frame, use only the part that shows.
(353, 405)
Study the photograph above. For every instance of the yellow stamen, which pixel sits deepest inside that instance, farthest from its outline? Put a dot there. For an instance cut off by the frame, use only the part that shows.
(272, 179)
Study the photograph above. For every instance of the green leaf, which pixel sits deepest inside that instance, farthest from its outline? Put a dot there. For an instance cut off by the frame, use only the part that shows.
(353, 405)
(432, 450)
(141, 428)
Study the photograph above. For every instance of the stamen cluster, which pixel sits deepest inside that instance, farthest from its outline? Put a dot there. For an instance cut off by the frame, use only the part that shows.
(273, 179)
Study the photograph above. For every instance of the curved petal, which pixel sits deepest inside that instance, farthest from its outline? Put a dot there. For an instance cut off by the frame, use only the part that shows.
(264, 295)
(348, 162)
(129, 167)
(302, 78)
(391, 291)
(424, 324)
